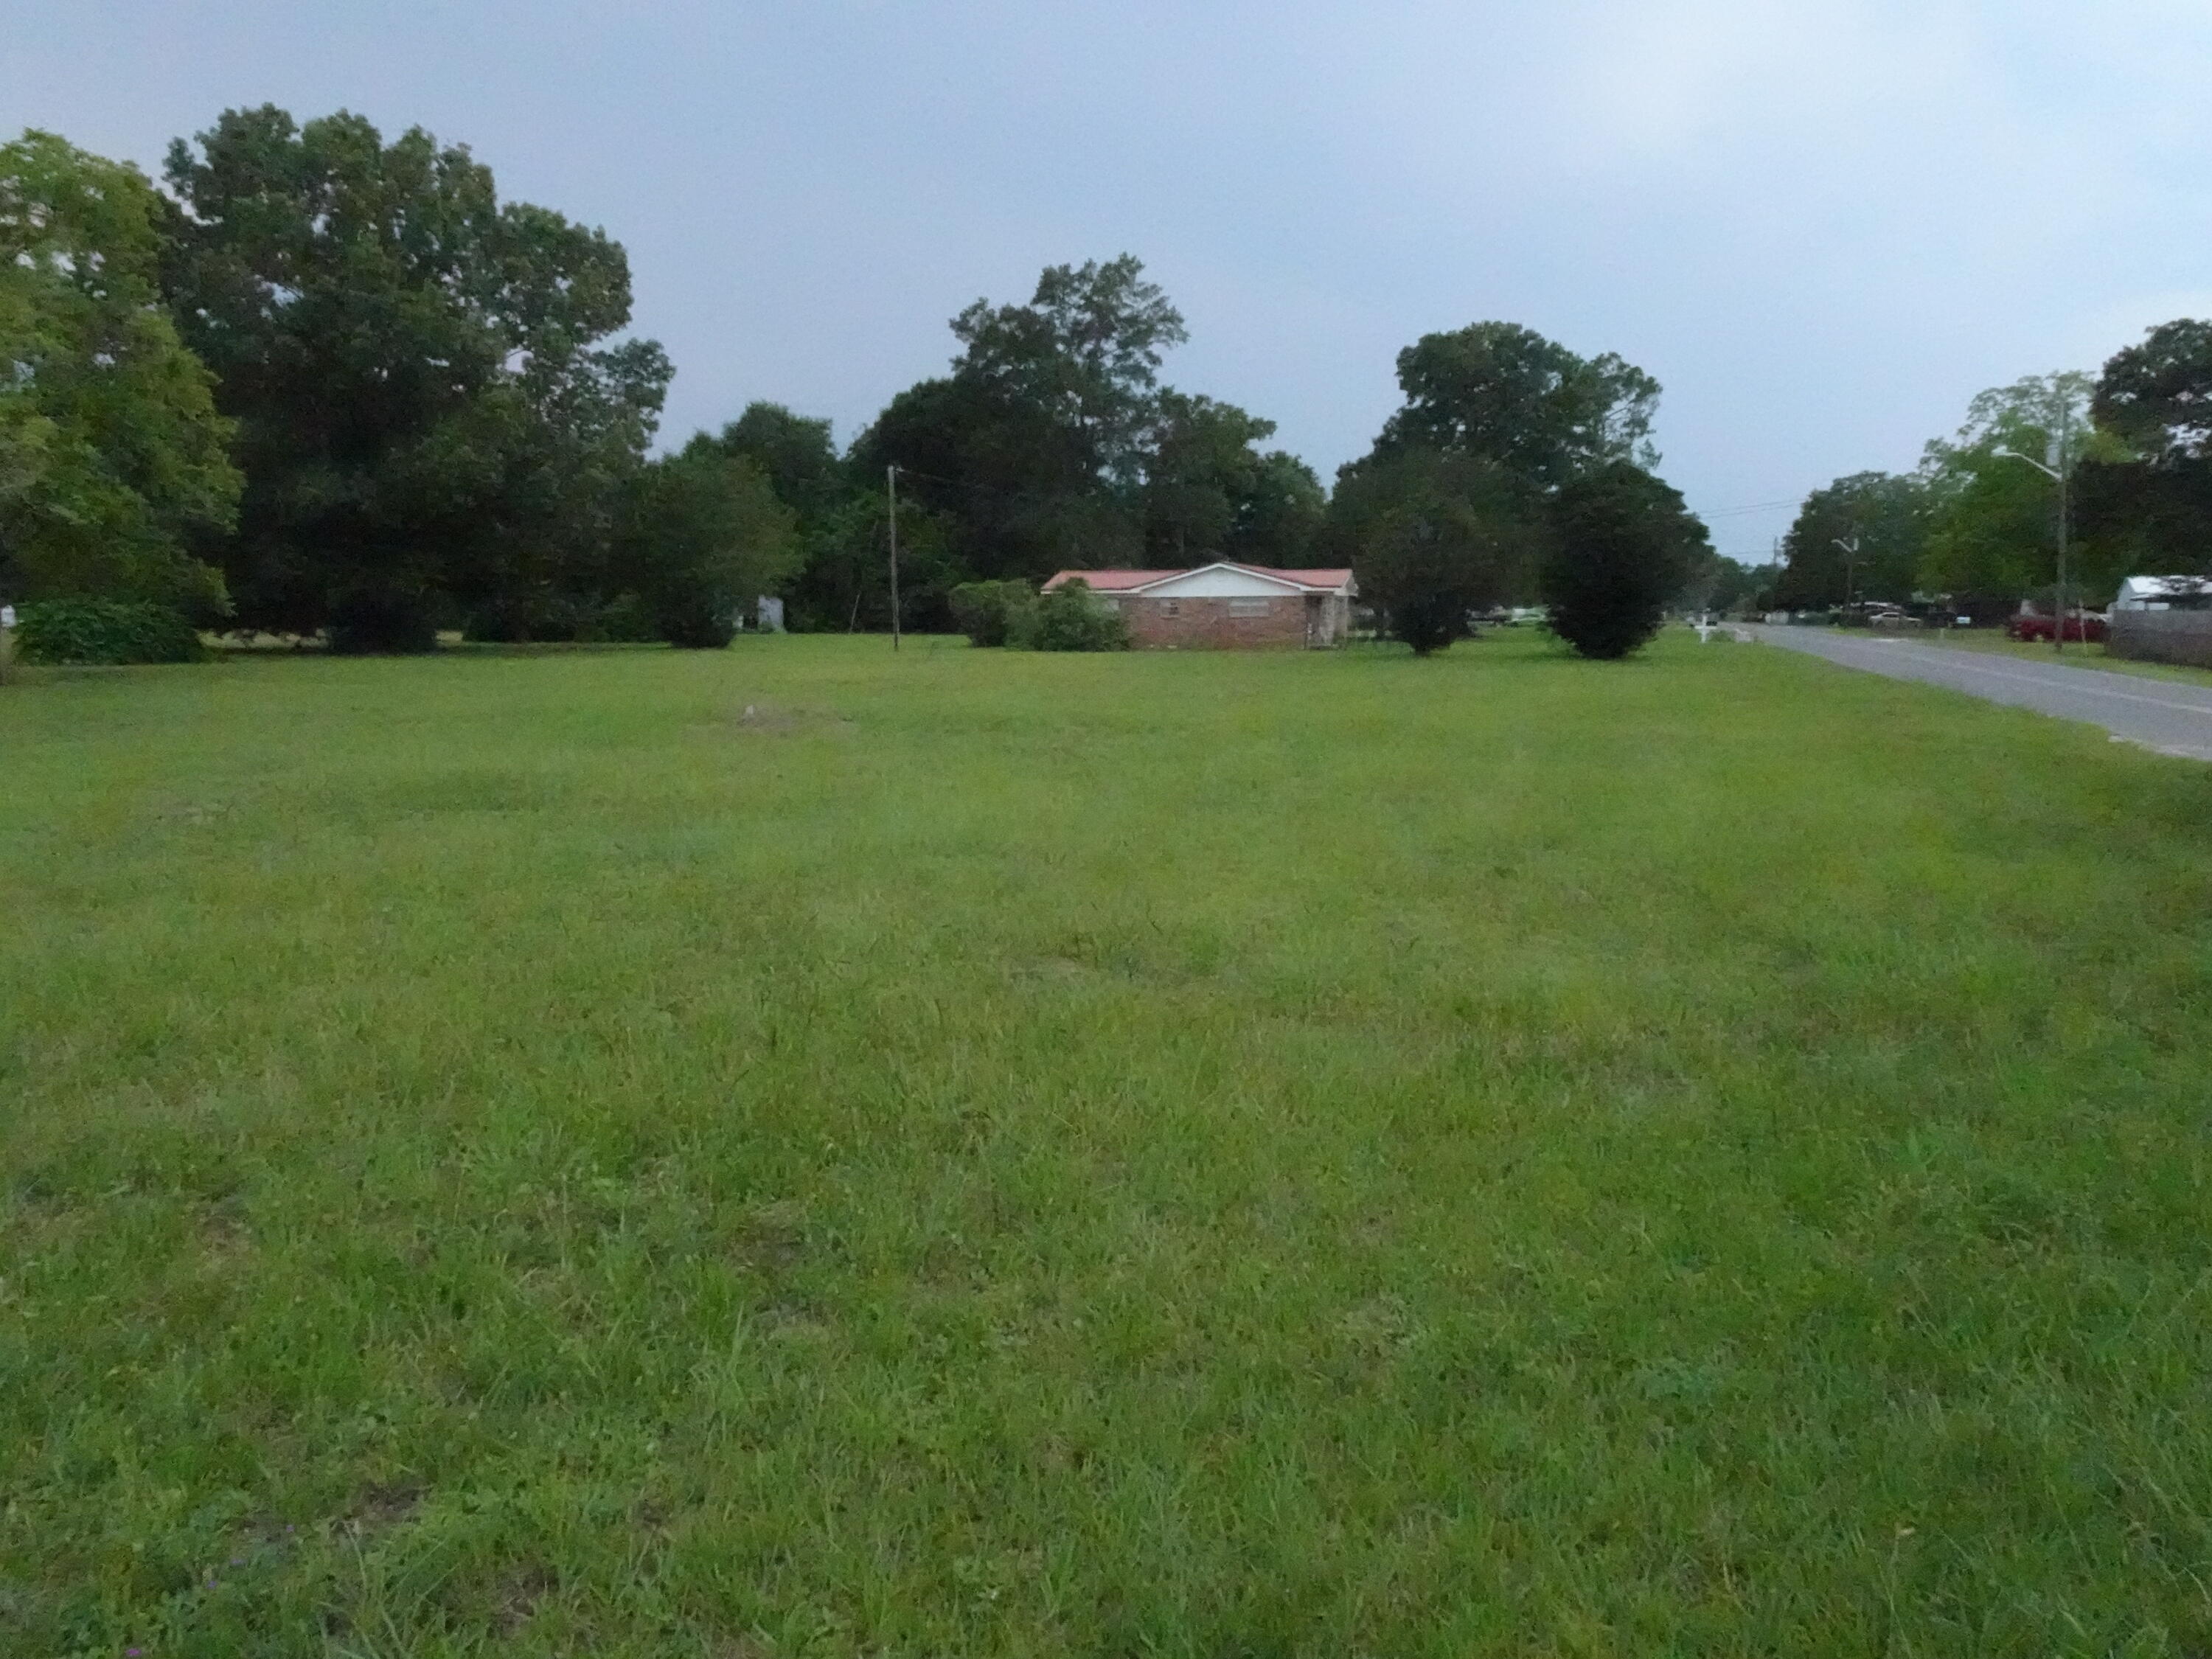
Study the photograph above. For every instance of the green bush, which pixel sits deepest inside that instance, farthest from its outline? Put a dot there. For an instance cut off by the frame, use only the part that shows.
(560, 619)
(992, 613)
(626, 619)
(1073, 618)
(383, 624)
(105, 631)
(1622, 544)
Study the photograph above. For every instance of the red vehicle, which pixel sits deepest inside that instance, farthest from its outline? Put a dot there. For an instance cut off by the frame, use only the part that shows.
(2035, 626)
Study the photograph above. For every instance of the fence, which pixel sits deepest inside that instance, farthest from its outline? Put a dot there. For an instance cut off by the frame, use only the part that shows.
(2182, 636)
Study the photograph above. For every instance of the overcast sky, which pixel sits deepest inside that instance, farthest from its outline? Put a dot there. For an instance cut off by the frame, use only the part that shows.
(1823, 224)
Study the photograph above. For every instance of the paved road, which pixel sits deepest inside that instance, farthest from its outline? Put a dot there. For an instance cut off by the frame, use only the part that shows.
(2162, 715)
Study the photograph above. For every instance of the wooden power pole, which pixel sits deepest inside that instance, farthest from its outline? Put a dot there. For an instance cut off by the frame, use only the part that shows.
(890, 480)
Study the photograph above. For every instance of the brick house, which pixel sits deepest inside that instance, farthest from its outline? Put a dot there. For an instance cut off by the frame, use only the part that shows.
(1226, 606)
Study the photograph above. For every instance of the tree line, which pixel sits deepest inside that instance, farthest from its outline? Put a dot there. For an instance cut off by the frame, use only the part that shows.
(1977, 524)
(321, 383)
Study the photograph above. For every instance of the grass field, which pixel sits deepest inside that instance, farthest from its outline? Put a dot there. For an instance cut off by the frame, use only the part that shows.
(803, 1151)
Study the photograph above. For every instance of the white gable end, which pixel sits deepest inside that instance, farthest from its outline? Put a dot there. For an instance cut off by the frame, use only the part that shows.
(1220, 581)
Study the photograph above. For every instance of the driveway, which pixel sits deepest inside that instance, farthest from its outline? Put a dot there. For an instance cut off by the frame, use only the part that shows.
(2173, 719)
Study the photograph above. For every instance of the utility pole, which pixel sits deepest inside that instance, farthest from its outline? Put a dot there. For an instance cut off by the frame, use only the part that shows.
(2058, 634)
(2057, 474)
(890, 480)
(1850, 567)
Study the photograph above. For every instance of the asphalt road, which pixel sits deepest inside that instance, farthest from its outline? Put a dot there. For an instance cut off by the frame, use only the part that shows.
(2167, 716)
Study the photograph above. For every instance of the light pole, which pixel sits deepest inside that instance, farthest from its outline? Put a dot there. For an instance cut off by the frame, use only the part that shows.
(1850, 567)
(2058, 475)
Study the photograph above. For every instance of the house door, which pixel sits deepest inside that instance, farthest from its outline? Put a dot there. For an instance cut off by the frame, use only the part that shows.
(1314, 620)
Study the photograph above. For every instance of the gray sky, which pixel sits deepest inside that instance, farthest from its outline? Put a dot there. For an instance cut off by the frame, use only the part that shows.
(1823, 224)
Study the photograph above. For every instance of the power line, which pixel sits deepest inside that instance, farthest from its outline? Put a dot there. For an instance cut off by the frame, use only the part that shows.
(1753, 507)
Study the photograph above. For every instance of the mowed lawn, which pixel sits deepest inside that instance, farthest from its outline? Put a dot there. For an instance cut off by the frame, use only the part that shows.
(1008, 1154)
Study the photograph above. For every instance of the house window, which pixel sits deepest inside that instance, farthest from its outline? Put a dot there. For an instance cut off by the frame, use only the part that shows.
(1248, 607)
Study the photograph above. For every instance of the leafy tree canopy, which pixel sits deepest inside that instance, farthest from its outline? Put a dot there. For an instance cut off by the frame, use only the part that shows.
(2153, 515)
(1885, 514)
(1507, 394)
(112, 453)
(1041, 448)
(846, 582)
(1281, 516)
(1993, 520)
(2157, 395)
(1622, 545)
(705, 537)
(1433, 536)
(424, 407)
(1200, 467)
(1084, 353)
(1721, 584)
(795, 452)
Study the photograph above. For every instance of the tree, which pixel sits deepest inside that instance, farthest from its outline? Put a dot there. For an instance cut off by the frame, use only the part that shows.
(1508, 395)
(1993, 520)
(1200, 466)
(1726, 585)
(1070, 619)
(1449, 511)
(112, 453)
(1033, 450)
(2153, 510)
(424, 411)
(1433, 538)
(993, 613)
(845, 585)
(1622, 543)
(706, 537)
(1885, 514)
(2157, 395)
(1281, 516)
(1005, 478)
(1084, 352)
(795, 453)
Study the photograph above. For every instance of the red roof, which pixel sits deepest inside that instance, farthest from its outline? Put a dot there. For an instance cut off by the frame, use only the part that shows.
(1108, 581)
(1121, 582)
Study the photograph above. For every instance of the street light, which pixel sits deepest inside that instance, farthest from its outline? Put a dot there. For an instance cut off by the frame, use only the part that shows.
(1850, 567)
(2057, 476)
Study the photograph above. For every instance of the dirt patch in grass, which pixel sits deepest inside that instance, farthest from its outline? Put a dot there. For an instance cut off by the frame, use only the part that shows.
(519, 1594)
(384, 1505)
(761, 717)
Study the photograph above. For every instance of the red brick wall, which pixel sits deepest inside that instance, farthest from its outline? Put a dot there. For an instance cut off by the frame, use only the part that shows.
(1206, 625)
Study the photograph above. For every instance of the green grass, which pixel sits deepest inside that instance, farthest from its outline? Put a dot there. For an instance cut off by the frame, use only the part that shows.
(1170, 1154)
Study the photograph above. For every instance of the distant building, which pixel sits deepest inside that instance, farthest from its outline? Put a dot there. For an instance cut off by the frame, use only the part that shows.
(2165, 593)
(2163, 619)
(1224, 606)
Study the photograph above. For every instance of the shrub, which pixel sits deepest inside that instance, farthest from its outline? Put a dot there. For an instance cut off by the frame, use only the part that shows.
(383, 623)
(1435, 539)
(105, 631)
(562, 618)
(694, 622)
(1073, 618)
(625, 619)
(992, 613)
(1622, 545)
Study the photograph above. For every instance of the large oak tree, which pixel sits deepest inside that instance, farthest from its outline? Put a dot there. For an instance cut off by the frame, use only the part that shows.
(112, 453)
(428, 410)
